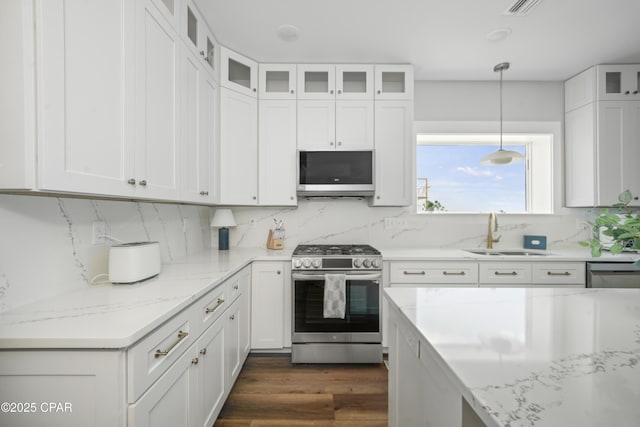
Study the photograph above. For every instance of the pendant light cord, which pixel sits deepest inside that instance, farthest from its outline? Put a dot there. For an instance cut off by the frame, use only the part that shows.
(500, 108)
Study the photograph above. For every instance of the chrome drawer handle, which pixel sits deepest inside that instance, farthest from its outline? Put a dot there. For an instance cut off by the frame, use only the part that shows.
(499, 273)
(219, 302)
(194, 360)
(551, 273)
(235, 287)
(181, 335)
(232, 317)
(414, 273)
(454, 273)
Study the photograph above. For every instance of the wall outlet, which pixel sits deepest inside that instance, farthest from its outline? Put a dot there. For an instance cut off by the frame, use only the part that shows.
(395, 223)
(98, 233)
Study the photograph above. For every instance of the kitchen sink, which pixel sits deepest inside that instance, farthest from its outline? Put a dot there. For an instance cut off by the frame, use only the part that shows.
(506, 252)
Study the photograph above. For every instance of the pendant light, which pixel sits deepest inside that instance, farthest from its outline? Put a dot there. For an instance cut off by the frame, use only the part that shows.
(502, 156)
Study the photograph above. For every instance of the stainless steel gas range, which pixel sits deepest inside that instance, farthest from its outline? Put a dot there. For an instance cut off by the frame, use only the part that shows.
(336, 304)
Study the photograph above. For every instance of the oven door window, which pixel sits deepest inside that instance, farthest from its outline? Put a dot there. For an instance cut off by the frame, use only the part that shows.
(362, 311)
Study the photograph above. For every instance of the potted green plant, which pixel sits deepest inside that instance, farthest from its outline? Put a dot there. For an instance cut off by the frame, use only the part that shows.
(620, 225)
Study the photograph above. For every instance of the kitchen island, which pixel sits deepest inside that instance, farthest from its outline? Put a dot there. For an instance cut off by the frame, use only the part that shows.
(514, 357)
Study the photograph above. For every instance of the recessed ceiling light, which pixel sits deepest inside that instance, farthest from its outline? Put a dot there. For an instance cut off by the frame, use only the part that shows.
(499, 34)
(288, 32)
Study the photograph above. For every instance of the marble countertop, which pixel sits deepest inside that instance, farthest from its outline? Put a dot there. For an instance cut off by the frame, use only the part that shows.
(450, 254)
(535, 357)
(116, 316)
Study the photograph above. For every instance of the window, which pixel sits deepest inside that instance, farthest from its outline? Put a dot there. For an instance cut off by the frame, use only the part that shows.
(450, 178)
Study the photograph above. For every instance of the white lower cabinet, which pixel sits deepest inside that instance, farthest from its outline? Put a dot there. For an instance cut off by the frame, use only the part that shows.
(179, 374)
(88, 384)
(211, 370)
(172, 400)
(420, 393)
(268, 308)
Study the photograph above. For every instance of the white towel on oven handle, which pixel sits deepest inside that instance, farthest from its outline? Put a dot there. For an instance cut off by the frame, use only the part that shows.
(335, 296)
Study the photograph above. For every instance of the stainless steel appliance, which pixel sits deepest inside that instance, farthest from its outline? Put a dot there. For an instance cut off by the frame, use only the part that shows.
(613, 275)
(336, 173)
(356, 338)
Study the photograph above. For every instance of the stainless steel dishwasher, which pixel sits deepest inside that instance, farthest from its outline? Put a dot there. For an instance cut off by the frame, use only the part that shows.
(613, 275)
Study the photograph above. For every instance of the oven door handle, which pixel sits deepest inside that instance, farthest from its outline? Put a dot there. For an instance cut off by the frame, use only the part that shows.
(301, 276)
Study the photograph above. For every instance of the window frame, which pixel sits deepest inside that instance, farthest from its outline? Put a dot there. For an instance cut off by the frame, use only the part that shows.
(543, 198)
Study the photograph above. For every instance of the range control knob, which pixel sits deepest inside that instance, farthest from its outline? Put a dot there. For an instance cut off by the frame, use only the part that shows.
(357, 263)
(306, 263)
(297, 263)
(367, 263)
(315, 263)
(376, 263)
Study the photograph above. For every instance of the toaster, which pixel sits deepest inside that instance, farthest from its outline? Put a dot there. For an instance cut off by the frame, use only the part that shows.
(134, 262)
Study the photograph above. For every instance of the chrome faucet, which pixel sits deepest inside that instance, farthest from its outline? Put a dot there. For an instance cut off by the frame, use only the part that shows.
(493, 224)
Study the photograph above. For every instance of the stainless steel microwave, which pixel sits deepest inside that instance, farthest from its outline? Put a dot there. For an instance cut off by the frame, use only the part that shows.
(336, 173)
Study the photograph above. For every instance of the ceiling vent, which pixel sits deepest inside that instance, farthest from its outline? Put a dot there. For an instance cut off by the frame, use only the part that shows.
(521, 7)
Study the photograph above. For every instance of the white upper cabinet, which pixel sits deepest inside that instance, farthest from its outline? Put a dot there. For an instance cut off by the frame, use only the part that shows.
(316, 81)
(238, 73)
(277, 81)
(85, 96)
(199, 98)
(158, 89)
(277, 153)
(354, 82)
(354, 125)
(602, 130)
(238, 163)
(198, 38)
(316, 125)
(393, 82)
(619, 82)
(393, 151)
(171, 10)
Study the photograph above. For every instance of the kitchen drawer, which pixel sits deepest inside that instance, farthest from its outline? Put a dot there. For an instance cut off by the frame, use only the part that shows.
(558, 273)
(150, 357)
(211, 306)
(508, 273)
(433, 272)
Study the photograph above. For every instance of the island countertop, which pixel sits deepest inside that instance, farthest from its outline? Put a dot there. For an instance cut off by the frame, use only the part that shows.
(534, 357)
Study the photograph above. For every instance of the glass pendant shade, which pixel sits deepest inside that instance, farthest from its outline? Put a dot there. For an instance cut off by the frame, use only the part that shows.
(502, 156)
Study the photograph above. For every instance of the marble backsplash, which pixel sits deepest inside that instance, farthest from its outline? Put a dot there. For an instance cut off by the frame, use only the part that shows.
(353, 221)
(46, 248)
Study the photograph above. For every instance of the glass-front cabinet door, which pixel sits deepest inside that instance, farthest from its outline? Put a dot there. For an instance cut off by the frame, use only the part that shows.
(619, 82)
(354, 82)
(316, 81)
(277, 81)
(238, 73)
(393, 82)
(170, 9)
(198, 38)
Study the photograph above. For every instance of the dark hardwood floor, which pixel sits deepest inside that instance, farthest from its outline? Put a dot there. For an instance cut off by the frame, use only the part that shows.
(272, 392)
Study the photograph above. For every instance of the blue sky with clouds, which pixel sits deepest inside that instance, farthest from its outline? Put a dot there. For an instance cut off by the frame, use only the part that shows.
(460, 183)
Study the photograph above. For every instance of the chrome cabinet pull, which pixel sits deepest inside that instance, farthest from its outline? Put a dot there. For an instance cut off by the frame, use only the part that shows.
(203, 351)
(500, 273)
(194, 360)
(235, 287)
(453, 273)
(204, 193)
(232, 317)
(181, 335)
(414, 273)
(219, 302)
(131, 181)
(551, 273)
(143, 182)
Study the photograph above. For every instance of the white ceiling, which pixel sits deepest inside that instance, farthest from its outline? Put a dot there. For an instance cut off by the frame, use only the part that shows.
(443, 39)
